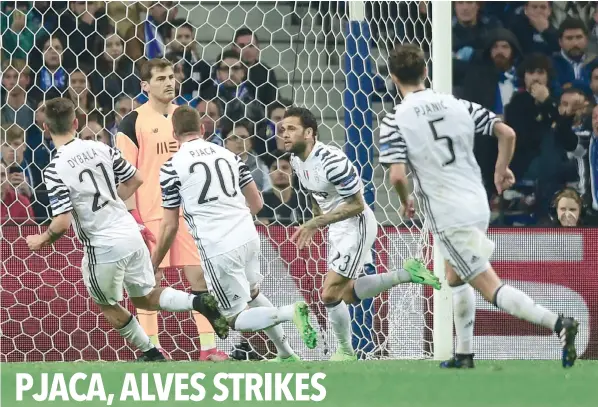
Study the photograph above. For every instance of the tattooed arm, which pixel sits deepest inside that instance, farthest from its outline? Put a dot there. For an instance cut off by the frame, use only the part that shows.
(352, 206)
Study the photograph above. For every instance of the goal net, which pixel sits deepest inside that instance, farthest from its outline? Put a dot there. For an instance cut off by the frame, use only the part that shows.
(327, 58)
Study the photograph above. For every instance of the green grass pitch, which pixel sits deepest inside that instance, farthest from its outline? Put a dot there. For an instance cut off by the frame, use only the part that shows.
(366, 383)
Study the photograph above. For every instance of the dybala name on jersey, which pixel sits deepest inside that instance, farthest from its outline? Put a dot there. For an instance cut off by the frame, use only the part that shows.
(82, 158)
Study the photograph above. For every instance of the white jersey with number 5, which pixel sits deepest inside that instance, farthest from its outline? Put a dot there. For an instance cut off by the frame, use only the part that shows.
(81, 179)
(206, 180)
(434, 133)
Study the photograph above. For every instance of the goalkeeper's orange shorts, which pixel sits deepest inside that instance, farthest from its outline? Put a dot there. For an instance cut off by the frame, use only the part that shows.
(183, 251)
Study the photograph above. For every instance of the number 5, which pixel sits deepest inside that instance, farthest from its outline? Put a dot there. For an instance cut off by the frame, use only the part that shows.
(448, 140)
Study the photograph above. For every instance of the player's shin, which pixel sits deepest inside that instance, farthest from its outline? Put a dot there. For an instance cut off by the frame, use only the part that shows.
(275, 333)
(175, 301)
(259, 318)
(519, 304)
(464, 317)
(370, 286)
(340, 320)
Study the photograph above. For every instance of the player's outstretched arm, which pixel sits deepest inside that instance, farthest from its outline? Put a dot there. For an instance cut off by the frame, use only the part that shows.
(60, 224)
(128, 188)
(253, 198)
(169, 226)
(399, 180)
(503, 177)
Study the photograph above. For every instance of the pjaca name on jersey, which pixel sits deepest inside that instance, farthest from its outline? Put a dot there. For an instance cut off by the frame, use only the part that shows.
(198, 152)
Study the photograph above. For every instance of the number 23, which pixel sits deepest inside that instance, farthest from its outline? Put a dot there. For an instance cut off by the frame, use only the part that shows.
(345, 261)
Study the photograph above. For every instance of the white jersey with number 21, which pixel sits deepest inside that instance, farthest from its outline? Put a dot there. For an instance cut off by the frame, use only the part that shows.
(434, 133)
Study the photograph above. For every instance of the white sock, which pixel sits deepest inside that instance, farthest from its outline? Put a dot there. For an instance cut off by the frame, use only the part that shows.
(260, 318)
(339, 318)
(176, 301)
(133, 333)
(520, 305)
(464, 317)
(370, 286)
(275, 333)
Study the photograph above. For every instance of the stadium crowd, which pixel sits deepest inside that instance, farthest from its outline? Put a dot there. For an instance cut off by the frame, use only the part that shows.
(534, 63)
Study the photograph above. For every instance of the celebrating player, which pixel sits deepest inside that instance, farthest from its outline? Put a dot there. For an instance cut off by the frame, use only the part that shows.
(145, 138)
(211, 184)
(337, 197)
(80, 181)
(434, 133)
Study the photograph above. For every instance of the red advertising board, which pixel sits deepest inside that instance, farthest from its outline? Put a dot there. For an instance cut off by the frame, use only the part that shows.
(46, 313)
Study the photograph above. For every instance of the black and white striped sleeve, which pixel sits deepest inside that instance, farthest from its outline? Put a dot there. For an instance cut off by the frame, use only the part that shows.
(342, 174)
(170, 184)
(393, 149)
(245, 177)
(58, 192)
(484, 119)
(123, 170)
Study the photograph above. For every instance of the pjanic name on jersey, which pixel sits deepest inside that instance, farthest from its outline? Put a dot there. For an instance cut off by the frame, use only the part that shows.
(85, 156)
(424, 110)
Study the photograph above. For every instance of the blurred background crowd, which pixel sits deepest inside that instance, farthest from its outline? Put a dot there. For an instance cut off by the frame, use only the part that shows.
(533, 63)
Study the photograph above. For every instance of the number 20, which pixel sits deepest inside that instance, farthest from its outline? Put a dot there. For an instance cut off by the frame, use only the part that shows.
(208, 181)
(449, 141)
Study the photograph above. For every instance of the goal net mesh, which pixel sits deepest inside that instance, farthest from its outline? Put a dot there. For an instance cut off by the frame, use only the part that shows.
(91, 53)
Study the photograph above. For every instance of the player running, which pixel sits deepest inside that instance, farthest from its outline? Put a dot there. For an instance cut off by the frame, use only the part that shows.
(80, 181)
(212, 185)
(434, 133)
(337, 197)
(145, 138)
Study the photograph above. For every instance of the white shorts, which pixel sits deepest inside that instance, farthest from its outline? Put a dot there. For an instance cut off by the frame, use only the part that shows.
(231, 277)
(350, 244)
(105, 281)
(467, 249)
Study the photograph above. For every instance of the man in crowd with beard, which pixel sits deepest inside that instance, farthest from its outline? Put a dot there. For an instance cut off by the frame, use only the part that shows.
(573, 63)
(491, 83)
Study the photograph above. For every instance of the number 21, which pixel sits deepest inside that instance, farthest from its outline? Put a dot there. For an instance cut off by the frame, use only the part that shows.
(449, 141)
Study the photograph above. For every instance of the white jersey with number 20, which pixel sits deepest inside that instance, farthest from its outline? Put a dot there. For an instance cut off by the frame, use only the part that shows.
(434, 133)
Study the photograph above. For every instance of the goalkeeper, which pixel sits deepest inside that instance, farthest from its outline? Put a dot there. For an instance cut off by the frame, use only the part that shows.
(145, 138)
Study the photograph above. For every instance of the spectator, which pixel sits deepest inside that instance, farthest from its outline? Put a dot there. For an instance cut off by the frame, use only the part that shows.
(262, 79)
(51, 76)
(13, 158)
(147, 38)
(116, 73)
(211, 113)
(573, 64)
(280, 203)
(582, 10)
(544, 133)
(16, 78)
(593, 158)
(533, 29)
(238, 139)
(233, 91)
(266, 141)
(178, 66)
(83, 23)
(566, 209)
(123, 106)
(493, 81)
(594, 83)
(78, 92)
(18, 26)
(469, 30)
(93, 130)
(197, 71)
(16, 206)
(578, 172)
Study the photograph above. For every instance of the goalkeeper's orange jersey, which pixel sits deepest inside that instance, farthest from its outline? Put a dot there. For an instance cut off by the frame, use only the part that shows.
(145, 138)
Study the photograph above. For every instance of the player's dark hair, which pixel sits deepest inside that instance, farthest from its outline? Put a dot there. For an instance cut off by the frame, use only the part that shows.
(536, 62)
(186, 120)
(307, 118)
(245, 31)
(158, 64)
(60, 113)
(571, 23)
(408, 64)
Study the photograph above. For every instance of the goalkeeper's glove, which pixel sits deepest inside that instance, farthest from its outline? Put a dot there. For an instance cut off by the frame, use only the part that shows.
(148, 236)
